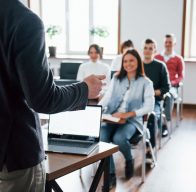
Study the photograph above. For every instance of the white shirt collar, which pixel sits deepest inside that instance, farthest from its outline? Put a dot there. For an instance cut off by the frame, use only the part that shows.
(173, 54)
(97, 62)
(167, 57)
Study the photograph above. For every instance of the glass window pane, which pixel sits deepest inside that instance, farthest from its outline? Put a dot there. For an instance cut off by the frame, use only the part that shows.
(53, 13)
(105, 14)
(193, 39)
(78, 25)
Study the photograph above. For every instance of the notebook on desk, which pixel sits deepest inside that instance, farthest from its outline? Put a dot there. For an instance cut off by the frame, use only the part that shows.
(74, 132)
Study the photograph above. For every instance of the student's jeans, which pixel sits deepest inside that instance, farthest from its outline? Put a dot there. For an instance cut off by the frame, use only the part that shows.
(154, 123)
(26, 180)
(119, 135)
(169, 102)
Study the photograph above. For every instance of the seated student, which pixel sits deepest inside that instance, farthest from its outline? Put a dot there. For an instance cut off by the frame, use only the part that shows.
(175, 66)
(174, 62)
(94, 66)
(116, 62)
(157, 72)
(129, 96)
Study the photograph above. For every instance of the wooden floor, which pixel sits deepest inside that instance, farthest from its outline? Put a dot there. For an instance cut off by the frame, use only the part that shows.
(175, 170)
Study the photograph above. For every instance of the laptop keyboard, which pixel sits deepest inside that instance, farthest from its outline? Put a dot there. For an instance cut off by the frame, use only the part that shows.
(70, 144)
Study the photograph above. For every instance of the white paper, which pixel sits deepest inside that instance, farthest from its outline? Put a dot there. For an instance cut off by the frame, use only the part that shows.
(109, 117)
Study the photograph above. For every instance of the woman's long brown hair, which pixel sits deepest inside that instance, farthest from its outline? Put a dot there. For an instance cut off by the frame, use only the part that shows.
(140, 68)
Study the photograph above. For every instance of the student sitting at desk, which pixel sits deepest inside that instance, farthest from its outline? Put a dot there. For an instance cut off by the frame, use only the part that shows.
(94, 66)
(129, 96)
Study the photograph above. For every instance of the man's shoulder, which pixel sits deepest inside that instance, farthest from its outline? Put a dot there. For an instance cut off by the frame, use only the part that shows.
(178, 57)
(159, 63)
(25, 13)
(159, 56)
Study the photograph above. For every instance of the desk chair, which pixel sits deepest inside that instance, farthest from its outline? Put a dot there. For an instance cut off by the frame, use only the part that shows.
(69, 70)
(144, 137)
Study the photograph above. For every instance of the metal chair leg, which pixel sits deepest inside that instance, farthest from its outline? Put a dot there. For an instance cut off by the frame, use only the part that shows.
(80, 173)
(144, 156)
(160, 132)
(153, 163)
(177, 112)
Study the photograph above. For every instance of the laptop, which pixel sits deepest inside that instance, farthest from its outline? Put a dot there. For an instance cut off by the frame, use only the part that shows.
(74, 132)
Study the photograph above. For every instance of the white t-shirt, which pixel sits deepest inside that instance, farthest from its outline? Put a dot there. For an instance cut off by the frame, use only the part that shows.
(94, 68)
(116, 63)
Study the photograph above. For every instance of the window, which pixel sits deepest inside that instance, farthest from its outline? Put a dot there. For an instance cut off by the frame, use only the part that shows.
(190, 31)
(76, 18)
(53, 14)
(78, 22)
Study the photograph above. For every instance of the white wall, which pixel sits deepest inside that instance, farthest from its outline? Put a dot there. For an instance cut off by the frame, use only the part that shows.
(189, 83)
(141, 19)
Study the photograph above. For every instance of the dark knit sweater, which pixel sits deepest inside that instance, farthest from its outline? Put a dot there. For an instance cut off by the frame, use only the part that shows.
(27, 87)
(157, 72)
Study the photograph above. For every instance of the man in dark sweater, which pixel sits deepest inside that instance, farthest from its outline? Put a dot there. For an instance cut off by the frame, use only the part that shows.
(27, 87)
(157, 72)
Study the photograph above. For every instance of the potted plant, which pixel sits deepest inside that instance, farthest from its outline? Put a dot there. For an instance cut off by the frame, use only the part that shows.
(101, 32)
(52, 31)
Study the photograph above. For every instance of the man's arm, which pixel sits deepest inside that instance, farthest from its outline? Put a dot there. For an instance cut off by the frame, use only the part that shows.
(179, 71)
(165, 82)
(35, 77)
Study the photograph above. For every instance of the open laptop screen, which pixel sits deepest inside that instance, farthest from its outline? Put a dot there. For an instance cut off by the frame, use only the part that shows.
(82, 123)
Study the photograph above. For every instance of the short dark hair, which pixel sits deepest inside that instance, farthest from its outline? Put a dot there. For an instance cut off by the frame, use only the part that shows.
(171, 35)
(125, 44)
(96, 47)
(149, 41)
(140, 68)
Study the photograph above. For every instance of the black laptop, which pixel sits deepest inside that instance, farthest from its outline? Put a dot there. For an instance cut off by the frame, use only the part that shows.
(74, 132)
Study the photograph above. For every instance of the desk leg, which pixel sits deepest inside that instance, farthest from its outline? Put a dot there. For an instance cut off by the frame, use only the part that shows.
(48, 187)
(103, 167)
(106, 186)
(52, 185)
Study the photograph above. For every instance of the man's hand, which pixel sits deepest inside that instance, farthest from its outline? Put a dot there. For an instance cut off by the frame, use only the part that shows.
(95, 84)
(157, 92)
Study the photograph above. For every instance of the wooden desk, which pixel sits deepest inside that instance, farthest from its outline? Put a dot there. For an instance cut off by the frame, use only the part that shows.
(58, 165)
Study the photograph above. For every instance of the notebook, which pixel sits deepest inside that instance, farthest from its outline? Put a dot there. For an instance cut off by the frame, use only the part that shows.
(74, 132)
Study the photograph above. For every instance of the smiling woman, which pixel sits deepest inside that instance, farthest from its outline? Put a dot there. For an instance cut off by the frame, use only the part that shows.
(129, 96)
